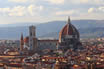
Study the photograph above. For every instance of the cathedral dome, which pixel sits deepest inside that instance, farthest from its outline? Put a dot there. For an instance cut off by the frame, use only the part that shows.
(68, 30)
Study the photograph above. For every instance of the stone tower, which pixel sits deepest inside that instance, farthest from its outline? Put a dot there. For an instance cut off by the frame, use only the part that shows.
(32, 38)
(21, 43)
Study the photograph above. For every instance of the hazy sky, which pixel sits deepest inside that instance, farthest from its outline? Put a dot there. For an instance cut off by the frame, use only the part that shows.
(14, 11)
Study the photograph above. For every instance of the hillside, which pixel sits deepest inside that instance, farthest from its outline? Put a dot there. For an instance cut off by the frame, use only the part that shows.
(87, 29)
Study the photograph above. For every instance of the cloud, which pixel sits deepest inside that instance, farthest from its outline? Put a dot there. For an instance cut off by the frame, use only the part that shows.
(21, 10)
(3, 10)
(79, 1)
(17, 11)
(50, 8)
(33, 8)
(21, 1)
(90, 10)
(96, 2)
(18, 1)
(84, 1)
(69, 12)
(56, 1)
(100, 2)
(100, 9)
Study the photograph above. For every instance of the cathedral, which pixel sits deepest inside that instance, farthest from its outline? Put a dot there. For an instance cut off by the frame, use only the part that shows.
(69, 38)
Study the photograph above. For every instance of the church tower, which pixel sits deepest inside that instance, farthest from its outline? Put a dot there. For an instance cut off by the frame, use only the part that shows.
(21, 43)
(32, 38)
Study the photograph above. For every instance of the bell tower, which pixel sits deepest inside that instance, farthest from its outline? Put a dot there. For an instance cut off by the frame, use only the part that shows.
(21, 43)
(32, 38)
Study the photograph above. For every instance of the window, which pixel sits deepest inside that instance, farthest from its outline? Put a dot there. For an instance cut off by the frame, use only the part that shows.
(30, 33)
(44, 43)
(50, 44)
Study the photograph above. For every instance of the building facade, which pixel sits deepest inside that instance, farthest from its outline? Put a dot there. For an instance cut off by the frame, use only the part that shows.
(32, 38)
(47, 44)
(69, 38)
(21, 43)
(32, 43)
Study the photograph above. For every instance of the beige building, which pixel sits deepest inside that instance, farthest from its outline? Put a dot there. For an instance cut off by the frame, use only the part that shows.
(47, 44)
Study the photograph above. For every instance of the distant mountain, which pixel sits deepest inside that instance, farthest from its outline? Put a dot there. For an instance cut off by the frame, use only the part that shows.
(84, 33)
(87, 29)
(18, 24)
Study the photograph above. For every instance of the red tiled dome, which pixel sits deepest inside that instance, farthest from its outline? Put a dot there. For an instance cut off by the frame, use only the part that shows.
(68, 29)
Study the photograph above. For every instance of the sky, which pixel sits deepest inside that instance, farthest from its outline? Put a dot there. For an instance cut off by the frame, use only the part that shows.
(21, 11)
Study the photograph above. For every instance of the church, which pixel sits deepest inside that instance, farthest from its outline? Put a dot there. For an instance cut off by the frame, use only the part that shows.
(69, 38)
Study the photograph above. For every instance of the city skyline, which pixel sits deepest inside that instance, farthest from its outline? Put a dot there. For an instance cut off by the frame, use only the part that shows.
(19, 11)
(51, 34)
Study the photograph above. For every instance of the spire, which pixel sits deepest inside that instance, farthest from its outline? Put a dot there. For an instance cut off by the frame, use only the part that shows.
(21, 42)
(68, 25)
(69, 19)
(21, 36)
